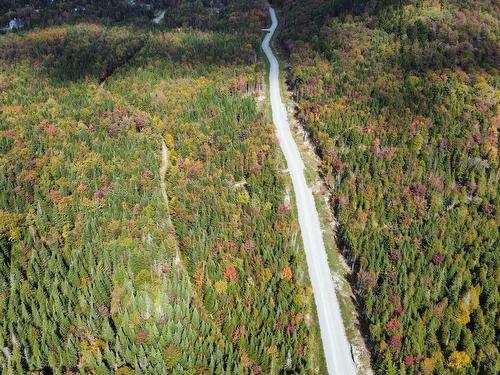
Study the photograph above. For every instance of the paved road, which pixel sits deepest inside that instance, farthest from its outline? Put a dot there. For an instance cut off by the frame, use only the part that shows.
(336, 347)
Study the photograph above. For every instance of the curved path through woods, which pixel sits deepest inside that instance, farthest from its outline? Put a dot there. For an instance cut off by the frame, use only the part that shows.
(336, 347)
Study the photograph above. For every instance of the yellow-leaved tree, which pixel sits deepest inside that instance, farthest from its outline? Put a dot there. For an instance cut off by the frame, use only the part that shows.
(458, 360)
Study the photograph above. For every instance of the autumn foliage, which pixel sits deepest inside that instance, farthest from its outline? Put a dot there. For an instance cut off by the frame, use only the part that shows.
(99, 273)
(401, 102)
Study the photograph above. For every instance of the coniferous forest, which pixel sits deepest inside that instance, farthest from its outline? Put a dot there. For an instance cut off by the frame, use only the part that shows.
(111, 265)
(145, 219)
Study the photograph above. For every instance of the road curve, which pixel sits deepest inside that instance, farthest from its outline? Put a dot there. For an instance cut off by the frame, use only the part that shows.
(336, 347)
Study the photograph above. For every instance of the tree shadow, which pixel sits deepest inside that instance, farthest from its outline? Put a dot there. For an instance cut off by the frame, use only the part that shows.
(83, 51)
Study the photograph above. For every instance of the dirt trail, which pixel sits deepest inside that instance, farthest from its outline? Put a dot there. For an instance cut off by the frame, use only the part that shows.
(337, 350)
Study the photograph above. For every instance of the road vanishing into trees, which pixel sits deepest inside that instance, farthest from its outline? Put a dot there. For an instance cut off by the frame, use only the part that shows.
(337, 350)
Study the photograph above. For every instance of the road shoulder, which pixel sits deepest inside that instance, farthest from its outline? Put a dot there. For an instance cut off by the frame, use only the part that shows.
(322, 196)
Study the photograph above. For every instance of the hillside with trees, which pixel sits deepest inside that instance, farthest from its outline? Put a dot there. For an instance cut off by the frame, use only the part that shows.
(225, 15)
(145, 219)
(110, 265)
(401, 102)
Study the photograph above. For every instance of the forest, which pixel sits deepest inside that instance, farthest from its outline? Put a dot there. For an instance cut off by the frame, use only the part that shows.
(144, 226)
(145, 221)
(401, 102)
(190, 13)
